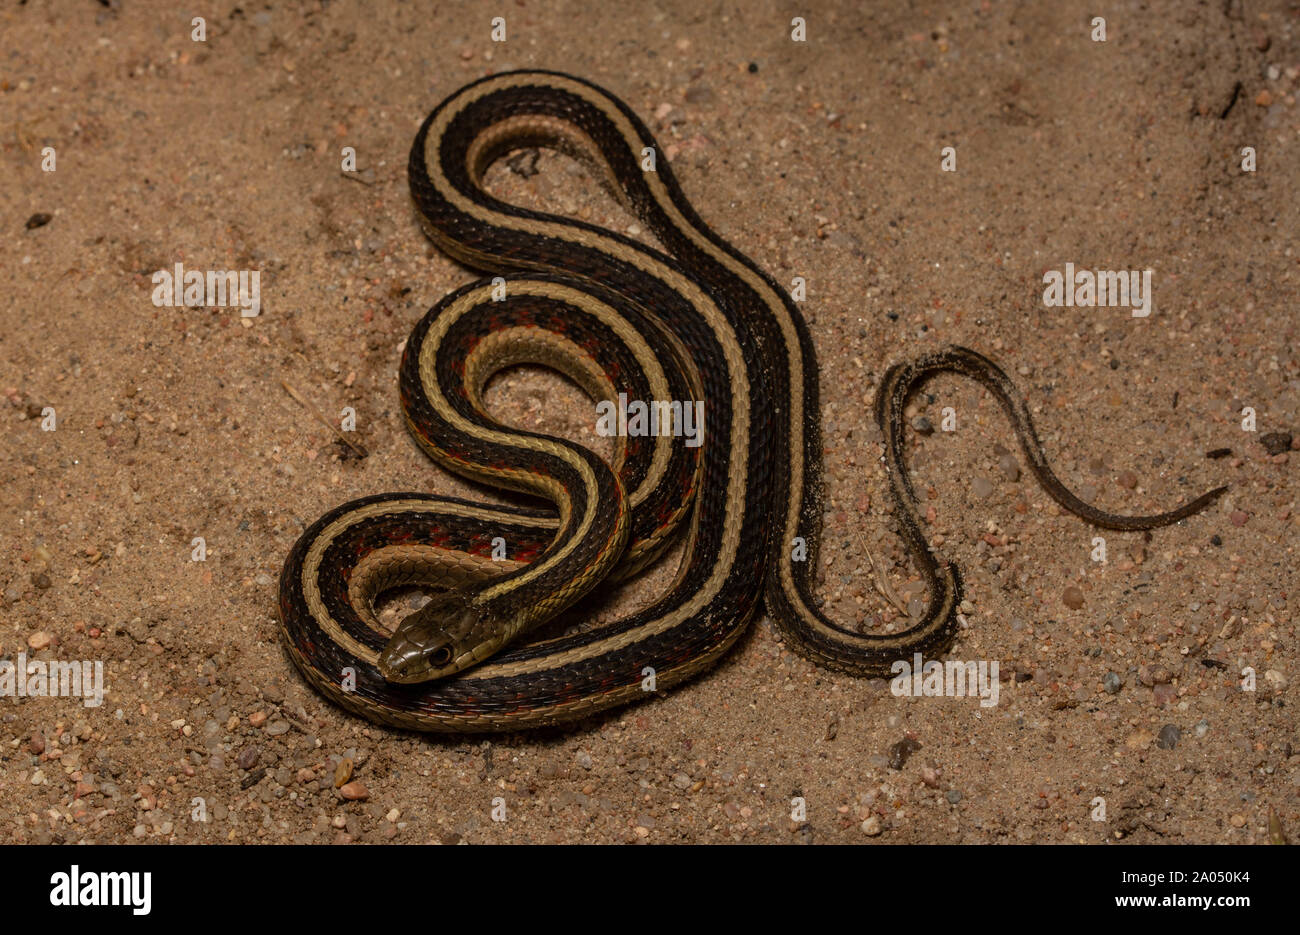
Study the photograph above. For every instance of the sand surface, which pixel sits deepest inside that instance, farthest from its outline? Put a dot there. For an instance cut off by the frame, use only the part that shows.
(819, 159)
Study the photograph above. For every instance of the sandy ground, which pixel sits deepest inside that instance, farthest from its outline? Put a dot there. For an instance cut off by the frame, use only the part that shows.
(818, 159)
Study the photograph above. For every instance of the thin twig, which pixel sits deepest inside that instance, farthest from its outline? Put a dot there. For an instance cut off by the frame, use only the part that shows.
(882, 580)
(342, 436)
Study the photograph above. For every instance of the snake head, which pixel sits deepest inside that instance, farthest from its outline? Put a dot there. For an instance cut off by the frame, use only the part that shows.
(446, 635)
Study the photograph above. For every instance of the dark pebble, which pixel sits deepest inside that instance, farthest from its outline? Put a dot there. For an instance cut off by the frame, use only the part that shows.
(753, 68)
(1168, 737)
(247, 758)
(1218, 453)
(38, 220)
(1113, 683)
(900, 751)
(1276, 442)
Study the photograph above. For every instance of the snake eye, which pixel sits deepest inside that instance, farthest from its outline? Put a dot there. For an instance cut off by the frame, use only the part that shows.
(440, 657)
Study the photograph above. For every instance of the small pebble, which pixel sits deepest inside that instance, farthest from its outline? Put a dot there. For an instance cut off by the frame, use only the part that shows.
(1276, 442)
(1072, 597)
(899, 752)
(39, 640)
(981, 486)
(1168, 737)
(699, 94)
(342, 773)
(871, 827)
(1112, 683)
(354, 791)
(1127, 479)
(1009, 467)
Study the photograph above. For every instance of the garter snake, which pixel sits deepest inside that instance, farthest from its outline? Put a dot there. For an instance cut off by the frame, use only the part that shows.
(692, 321)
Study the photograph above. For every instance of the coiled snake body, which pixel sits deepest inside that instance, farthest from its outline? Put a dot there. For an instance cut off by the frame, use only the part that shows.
(695, 321)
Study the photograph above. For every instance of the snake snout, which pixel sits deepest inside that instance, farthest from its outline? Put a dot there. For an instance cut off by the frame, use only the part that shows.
(429, 644)
(405, 661)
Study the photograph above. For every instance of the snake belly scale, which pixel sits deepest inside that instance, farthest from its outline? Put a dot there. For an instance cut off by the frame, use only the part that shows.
(693, 321)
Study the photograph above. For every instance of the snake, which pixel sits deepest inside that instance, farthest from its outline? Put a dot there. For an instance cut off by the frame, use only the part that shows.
(686, 326)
